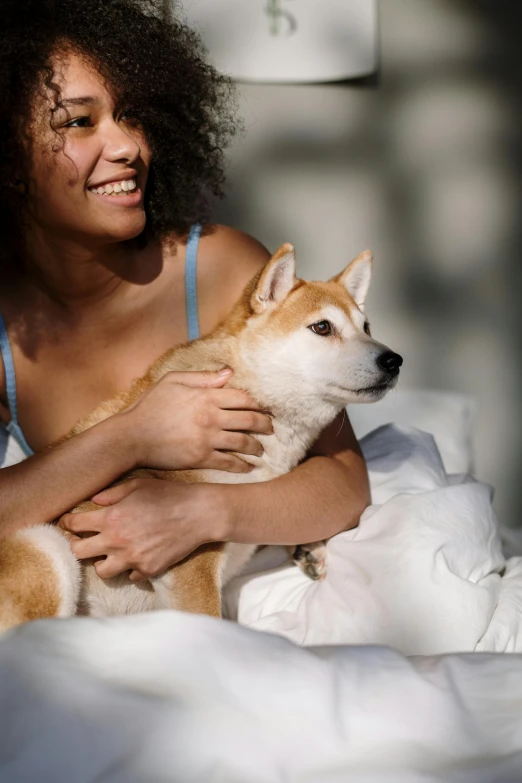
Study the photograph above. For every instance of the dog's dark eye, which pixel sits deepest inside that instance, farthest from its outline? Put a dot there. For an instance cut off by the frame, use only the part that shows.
(367, 329)
(322, 328)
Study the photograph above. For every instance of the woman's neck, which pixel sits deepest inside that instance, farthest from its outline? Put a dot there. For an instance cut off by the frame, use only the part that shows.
(72, 276)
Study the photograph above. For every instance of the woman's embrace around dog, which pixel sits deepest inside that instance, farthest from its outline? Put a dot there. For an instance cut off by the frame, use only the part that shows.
(112, 137)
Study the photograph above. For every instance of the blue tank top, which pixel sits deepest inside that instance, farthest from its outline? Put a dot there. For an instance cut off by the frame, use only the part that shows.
(13, 429)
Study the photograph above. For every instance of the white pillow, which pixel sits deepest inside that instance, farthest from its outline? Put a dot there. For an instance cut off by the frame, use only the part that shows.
(448, 416)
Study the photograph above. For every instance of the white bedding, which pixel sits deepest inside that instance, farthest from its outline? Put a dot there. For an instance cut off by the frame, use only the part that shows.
(421, 573)
(185, 699)
(172, 697)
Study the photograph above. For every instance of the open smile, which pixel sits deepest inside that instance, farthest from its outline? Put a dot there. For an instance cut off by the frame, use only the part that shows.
(116, 187)
(123, 198)
(124, 192)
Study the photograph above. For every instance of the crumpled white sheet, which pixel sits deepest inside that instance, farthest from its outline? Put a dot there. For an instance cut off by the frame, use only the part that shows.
(172, 697)
(421, 573)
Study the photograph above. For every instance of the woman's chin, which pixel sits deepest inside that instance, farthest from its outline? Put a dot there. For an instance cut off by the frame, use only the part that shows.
(123, 231)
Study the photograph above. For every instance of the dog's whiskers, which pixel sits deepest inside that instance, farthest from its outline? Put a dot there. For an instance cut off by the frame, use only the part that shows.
(343, 420)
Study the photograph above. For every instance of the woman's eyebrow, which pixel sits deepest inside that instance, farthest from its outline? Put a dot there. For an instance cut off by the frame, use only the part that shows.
(81, 101)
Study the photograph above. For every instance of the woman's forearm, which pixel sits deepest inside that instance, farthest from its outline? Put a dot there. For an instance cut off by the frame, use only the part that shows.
(53, 481)
(321, 497)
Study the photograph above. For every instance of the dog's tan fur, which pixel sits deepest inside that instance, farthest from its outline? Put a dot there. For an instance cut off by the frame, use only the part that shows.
(273, 306)
(26, 598)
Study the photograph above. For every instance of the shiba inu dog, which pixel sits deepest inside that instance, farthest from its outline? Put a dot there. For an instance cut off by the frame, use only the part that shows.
(303, 350)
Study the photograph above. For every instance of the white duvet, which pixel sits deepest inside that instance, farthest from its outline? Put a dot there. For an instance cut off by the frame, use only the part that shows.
(185, 699)
(423, 572)
(174, 697)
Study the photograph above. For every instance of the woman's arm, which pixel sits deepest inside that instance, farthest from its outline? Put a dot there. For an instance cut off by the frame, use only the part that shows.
(324, 495)
(46, 485)
(147, 525)
(184, 421)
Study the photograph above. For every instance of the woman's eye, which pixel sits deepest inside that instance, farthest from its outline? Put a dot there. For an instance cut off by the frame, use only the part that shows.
(367, 329)
(322, 328)
(79, 122)
(130, 117)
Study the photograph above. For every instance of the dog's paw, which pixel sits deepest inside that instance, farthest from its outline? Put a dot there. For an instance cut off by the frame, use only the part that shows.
(311, 559)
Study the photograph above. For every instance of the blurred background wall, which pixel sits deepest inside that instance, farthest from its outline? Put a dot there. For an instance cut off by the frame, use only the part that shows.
(422, 165)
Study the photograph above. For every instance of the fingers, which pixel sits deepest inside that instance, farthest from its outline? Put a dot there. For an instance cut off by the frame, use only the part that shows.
(235, 399)
(83, 522)
(114, 494)
(137, 576)
(202, 379)
(110, 567)
(229, 462)
(245, 421)
(84, 548)
(240, 442)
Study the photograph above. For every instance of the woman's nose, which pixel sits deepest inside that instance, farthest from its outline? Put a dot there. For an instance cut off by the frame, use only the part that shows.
(121, 146)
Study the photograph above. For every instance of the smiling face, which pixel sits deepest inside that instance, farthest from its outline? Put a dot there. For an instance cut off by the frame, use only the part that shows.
(89, 162)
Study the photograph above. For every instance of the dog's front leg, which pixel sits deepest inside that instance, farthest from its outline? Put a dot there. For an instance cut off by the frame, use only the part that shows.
(194, 585)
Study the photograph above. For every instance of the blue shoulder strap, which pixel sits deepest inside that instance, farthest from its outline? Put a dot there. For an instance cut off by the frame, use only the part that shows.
(10, 385)
(191, 289)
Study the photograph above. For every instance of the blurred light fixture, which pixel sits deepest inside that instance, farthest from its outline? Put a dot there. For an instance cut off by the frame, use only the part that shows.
(298, 41)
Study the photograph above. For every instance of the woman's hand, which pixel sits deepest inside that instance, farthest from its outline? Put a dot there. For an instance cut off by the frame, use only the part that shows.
(145, 526)
(186, 421)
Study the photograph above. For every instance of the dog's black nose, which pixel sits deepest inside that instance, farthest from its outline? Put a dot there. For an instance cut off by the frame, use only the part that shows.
(390, 362)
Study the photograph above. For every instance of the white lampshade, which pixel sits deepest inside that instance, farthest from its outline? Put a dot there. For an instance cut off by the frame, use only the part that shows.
(288, 40)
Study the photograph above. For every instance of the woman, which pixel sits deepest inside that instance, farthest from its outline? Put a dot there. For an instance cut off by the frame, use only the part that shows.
(111, 142)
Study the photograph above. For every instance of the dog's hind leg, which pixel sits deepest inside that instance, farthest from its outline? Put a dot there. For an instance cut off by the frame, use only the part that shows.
(194, 585)
(39, 576)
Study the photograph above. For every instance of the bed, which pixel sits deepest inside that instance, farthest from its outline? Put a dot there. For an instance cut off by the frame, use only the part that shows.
(393, 669)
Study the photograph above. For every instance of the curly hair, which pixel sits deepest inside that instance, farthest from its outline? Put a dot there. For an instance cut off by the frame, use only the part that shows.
(154, 66)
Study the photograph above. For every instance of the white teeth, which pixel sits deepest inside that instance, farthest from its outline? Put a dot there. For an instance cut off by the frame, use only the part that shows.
(125, 186)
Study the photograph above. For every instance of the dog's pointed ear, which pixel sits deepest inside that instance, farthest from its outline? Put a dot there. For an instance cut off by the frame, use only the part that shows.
(276, 281)
(356, 277)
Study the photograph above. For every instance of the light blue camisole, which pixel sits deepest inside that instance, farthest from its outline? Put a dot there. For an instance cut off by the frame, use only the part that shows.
(191, 294)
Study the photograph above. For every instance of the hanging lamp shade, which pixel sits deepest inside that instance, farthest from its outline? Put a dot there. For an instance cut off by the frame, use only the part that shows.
(299, 41)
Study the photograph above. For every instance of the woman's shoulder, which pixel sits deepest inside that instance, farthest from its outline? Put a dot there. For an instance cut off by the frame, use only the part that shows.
(227, 260)
(232, 252)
